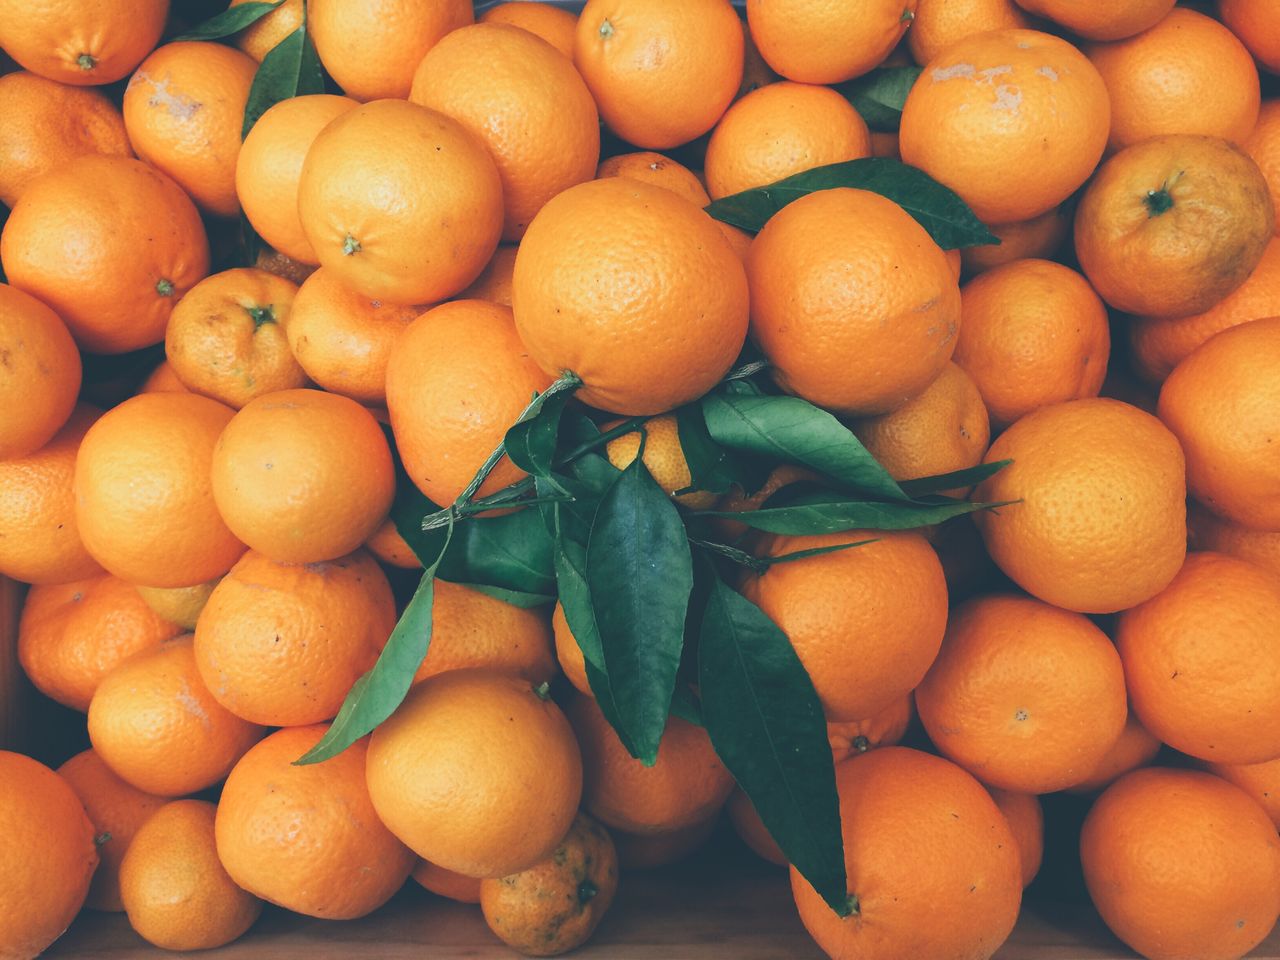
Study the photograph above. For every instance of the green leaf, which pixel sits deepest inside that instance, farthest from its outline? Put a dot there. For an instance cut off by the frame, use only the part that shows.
(290, 69)
(840, 515)
(879, 95)
(766, 724)
(517, 598)
(229, 22)
(531, 442)
(686, 705)
(713, 467)
(512, 552)
(954, 480)
(936, 208)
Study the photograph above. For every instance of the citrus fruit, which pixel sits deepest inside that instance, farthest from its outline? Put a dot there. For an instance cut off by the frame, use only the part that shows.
(1040, 236)
(1101, 21)
(648, 851)
(1135, 748)
(446, 883)
(751, 829)
(1260, 780)
(1254, 23)
(494, 282)
(70, 42)
(882, 729)
(940, 23)
(553, 24)
(390, 548)
(1026, 820)
(663, 457)
(820, 41)
(649, 167)
(1263, 145)
(263, 35)
(1208, 531)
(41, 374)
(568, 653)
(162, 380)
(179, 605)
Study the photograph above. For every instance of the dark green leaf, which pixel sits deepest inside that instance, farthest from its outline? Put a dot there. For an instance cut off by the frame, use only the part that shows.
(838, 516)
(230, 21)
(954, 480)
(290, 69)
(531, 443)
(512, 552)
(879, 95)
(713, 467)
(686, 705)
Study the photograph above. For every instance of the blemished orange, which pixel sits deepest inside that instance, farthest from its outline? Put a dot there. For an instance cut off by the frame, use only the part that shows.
(1025, 815)
(402, 203)
(846, 613)
(71, 242)
(1040, 236)
(820, 41)
(184, 110)
(1208, 531)
(269, 166)
(450, 409)
(1223, 405)
(852, 303)
(48, 860)
(180, 605)
(41, 375)
(165, 532)
(555, 25)
(307, 837)
(633, 289)
(525, 102)
(390, 548)
(780, 130)
(477, 771)
(649, 167)
(1101, 21)
(1013, 121)
(1159, 839)
(446, 883)
(303, 476)
(568, 653)
(1199, 657)
(1024, 696)
(933, 865)
(1032, 333)
(372, 49)
(176, 892)
(281, 644)
(1263, 145)
(1136, 747)
(48, 123)
(751, 829)
(494, 282)
(663, 457)
(1254, 24)
(647, 851)
(940, 23)
(116, 811)
(1187, 74)
(67, 41)
(226, 338)
(882, 729)
(1099, 522)
(262, 36)
(162, 380)
(686, 785)
(1260, 780)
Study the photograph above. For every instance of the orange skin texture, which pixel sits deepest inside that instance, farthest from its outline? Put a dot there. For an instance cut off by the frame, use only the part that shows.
(1222, 404)
(853, 304)
(687, 785)
(371, 49)
(72, 242)
(281, 644)
(158, 727)
(307, 838)
(269, 166)
(751, 829)
(184, 109)
(41, 374)
(883, 729)
(1187, 74)
(1032, 333)
(402, 203)
(1024, 696)
(1208, 531)
(1158, 840)
(1263, 145)
(780, 130)
(661, 71)
(450, 409)
(1201, 662)
(1040, 236)
(49, 123)
(633, 289)
(67, 41)
(476, 773)
(1026, 820)
(180, 605)
(1013, 121)
(647, 851)
(261, 37)
(1260, 780)
(494, 282)
(1254, 24)
(940, 23)
(303, 476)
(555, 25)
(649, 167)
(1135, 748)
(166, 532)
(929, 856)
(527, 105)
(1101, 21)
(49, 857)
(446, 883)
(226, 337)
(162, 380)
(390, 548)
(827, 41)
(663, 457)
(568, 653)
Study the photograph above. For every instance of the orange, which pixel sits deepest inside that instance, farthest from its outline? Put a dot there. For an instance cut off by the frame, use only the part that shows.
(933, 866)
(556, 904)
(649, 167)
(853, 304)
(67, 41)
(372, 49)
(1254, 23)
(226, 337)
(848, 616)
(494, 282)
(1186, 74)
(633, 289)
(164, 532)
(755, 72)
(446, 883)
(1099, 522)
(553, 24)
(307, 838)
(940, 23)
(162, 380)
(1263, 145)
(390, 548)
(261, 37)
(1259, 780)
(180, 605)
(1203, 672)
(1026, 820)
(477, 772)
(41, 374)
(400, 202)
(73, 634)
(450, 409)
(303, 476)
(72, 242)
(1101, 21)
(116, 811)
(158, 728)
(1024, 696)
(821, 41)
(1135, 748)
(1032, 333)
(1160, 839)
(663, 457)
(1040, 236)
(687, 785)
(184, 110)
(568, 653)
(751, 829)
(780, 130)
(882, 729)
(269, 166)
(737, 501)
(1221, 404)
(48, 858)
(47, 124)
(1210, 532)
(648, 851)
(273, 261)
(524, 102)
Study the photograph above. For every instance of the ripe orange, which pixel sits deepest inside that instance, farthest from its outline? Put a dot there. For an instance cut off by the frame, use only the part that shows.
(1013, 121)
(472, 629)
(180, 605)
(555, 25)
(1101, 21)
(1263, 145)
(654, 168)
(446, 883)
(882, 729)
(751, 829)
(819, 41)
(1026, 820)
(1208, 531)
(1135, 748)
(1040, 236)
(633, 289)
(67, 41)
(663, 457)
(390, 548)
(1254, 23)
(1260, 780)
(853, 304)
(162, 380)
(737, 501)
(647, 851)
(260, 38)
(494, 282)
(568, 653)
(41, 374)
(940, 23)
(273, 261)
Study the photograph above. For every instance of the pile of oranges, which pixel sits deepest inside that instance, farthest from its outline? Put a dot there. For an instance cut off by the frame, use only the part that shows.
(368, 234)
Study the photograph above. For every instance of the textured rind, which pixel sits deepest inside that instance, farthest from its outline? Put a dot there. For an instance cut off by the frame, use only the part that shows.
(1101, 21)
(48, 37)
(42, 374)
(827, 41)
